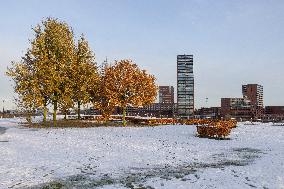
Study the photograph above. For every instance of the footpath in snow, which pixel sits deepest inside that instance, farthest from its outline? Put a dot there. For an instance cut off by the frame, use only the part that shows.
(147, 157)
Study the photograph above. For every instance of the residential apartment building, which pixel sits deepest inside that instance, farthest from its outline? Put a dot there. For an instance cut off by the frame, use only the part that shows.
(254, 93)
(166, 94)
(185, 86)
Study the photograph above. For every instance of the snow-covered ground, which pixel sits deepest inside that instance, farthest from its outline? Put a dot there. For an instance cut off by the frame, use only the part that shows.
(149, 157)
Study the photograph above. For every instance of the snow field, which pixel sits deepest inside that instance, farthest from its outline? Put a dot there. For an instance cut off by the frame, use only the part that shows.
(157, 157)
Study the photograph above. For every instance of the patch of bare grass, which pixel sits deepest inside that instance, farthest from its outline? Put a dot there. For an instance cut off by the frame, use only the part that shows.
(80, 124)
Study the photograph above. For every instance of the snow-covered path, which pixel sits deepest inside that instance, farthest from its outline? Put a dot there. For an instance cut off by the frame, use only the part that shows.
(157, 157)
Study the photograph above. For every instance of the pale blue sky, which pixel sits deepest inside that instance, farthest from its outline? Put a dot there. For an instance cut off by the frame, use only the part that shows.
(234, 42)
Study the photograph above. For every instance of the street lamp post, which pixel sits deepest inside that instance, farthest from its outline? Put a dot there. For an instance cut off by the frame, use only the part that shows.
(3, 108)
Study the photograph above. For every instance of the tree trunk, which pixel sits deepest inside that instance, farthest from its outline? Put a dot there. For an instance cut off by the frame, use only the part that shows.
(54, 112)
(79, 110)
(29, 118)
(123, 116)
(44, 114)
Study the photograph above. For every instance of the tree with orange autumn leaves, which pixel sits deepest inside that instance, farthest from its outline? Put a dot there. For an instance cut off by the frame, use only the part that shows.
(126, 85)
(98, 95)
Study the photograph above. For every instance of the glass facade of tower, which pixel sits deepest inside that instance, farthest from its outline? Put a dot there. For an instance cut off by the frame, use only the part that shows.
(185, 85)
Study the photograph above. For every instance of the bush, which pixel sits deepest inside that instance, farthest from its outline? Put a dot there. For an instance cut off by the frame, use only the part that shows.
(216, 129)
(213, 132)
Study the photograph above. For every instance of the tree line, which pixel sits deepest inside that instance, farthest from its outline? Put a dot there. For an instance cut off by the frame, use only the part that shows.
(58, 70)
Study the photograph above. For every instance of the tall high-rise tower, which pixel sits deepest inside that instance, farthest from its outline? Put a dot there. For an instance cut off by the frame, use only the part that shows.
(185, 85)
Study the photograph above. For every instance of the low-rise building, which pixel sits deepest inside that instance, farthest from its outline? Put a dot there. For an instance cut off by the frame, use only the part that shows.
(274, 110)
(151, 110)
(247, 108)
(208, 113)
(160, 110)
(236, 108)
(273, 114)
